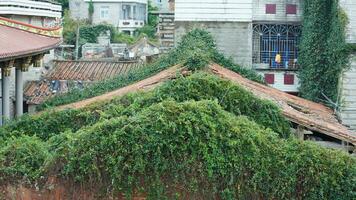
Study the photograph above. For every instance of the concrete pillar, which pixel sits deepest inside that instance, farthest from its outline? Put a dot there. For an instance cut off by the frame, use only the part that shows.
(19, 92)
(5, 83)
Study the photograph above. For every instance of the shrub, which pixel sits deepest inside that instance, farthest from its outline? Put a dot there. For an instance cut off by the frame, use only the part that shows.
(323, 50)
(197, 148)
(22, 158)
(202, 86)
(195, 49)
(48, 124)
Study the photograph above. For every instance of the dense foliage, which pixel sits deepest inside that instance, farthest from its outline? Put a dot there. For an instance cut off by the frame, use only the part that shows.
(323, 51)
(192, 138)
(197, 40)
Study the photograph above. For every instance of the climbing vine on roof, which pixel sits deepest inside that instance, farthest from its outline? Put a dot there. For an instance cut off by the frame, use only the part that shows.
(323, 50)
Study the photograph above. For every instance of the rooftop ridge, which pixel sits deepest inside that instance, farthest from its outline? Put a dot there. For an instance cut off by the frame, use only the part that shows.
(50, 32)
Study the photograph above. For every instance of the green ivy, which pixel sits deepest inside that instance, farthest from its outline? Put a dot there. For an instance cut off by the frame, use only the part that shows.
(23, 158)
(191, 138)
(323, 51)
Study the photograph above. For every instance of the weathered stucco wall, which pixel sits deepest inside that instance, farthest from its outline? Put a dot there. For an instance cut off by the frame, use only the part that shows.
(348, 96)
(233, 38)
(259, 11)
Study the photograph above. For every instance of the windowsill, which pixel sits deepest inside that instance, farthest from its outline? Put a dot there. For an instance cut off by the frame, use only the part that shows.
(274, 69)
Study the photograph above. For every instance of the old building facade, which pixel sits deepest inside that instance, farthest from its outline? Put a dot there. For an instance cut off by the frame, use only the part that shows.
(259, 34)
(125, 15)
(347, 101)
(264, 35)
(252, 32)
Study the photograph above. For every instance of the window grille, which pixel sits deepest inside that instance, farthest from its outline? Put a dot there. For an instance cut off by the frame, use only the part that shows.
(270, 40)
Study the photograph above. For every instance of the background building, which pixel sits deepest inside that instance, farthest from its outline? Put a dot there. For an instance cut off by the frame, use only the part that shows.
(43, 13)
(347, 102)
(125, 15)
(22, 46)
(252, 32)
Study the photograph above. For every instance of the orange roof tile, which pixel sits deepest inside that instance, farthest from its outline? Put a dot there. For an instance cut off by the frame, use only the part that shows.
(73, 74)
(18, 39)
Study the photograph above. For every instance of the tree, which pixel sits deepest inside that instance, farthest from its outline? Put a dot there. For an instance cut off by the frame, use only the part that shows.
(323, 54)
(91, 11)
(64, 3)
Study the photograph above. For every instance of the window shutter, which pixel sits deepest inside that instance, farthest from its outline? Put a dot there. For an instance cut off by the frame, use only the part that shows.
(269, 78)
(291, 9)
(288, 79)
(270, 8)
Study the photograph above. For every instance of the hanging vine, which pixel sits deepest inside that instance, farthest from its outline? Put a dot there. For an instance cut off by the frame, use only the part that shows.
(323, 50)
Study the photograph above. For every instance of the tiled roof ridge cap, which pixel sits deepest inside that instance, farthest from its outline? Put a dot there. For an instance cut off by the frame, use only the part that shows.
(49, 32)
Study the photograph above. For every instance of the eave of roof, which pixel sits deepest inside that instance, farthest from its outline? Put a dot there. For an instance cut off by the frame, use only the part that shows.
(308, 114)
(21, 40)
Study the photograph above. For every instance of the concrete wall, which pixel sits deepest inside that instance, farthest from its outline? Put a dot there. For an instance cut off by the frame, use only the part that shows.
(233, 38)
(348, 96)
(213, 10)
(259, 11)
(78, 9)
(350, 8)
(279, 80)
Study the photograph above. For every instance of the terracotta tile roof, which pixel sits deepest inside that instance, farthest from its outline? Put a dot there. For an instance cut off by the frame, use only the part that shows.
(89, 70)
(67, 75)
(314, 116)
(17, 42)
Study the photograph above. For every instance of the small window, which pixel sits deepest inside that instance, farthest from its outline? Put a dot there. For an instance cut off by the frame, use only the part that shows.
(270, 8)
(127, 12)
(269, 78)
(288, 79)
(104, 12)
(291, 9)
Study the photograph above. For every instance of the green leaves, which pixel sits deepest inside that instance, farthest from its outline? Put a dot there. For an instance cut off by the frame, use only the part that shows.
(323, 51)
(193, 137)
(23, 158)
(195, 50)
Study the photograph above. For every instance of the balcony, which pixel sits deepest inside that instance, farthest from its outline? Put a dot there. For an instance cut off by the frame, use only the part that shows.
(131, 24)
(41, 8)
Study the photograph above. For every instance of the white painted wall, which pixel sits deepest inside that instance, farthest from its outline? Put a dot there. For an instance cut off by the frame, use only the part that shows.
(30, 8)
(213, 10)
(348, 96)
(350, 8)
(259, 11)
(279, 80)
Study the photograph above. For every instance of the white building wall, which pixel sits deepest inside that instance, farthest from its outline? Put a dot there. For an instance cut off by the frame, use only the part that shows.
(279, 80)
(348, 96)
(349, 7)
(30, 8)
(259, 11)
(214, 10)
(79, 10)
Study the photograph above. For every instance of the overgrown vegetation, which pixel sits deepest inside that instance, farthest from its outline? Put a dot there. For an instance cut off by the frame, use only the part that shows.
(89, 32)
(323, 51)
(197, 41)
(192, 138)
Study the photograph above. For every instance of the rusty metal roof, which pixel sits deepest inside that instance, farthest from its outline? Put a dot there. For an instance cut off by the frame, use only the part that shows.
(308, 114)
(67, 75)
(18, 40)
